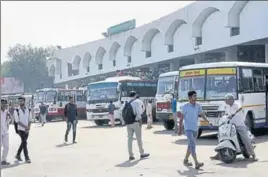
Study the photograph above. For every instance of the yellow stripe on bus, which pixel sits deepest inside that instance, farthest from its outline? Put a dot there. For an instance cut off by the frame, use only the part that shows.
(253, 105)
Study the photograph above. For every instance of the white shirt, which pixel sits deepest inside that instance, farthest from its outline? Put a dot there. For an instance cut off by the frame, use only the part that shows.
(24, 117)
(149, 109)
(136, 109)
(239, 118)
(4, 122)
(142, 106)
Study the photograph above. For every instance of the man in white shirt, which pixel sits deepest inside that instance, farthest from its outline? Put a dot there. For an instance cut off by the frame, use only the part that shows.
(234, 110)
(4, 131)
(23, 120)
(142, 106)
(149, 113)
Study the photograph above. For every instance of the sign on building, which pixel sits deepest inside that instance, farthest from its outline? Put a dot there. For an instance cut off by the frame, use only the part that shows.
(11, 85)
(125, 26)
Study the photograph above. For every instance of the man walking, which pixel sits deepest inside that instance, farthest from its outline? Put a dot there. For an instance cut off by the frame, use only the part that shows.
(4, 131)
(174, 112)
(132, 116)
(149, 113)
(43, 113)
(190, 114)
(70, 113)
(111, 108)
(23, 121)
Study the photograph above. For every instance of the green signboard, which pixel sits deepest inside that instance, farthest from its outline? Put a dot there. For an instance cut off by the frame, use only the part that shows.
(125, 26)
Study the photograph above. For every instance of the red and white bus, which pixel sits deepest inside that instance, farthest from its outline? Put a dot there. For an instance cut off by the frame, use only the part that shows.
(56, 99)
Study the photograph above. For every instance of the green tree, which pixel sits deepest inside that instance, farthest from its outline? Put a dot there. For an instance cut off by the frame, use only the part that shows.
(5, 69)
(28, 64)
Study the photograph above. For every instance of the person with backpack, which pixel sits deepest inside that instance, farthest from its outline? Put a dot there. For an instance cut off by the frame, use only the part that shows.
(43, 113)
(22, 127)
(132, 117)
(5, 117)
(70, 114)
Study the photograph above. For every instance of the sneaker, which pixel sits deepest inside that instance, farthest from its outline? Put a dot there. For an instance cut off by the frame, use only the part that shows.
(28, 161)
(131, 158)
(187, 163)
(199, 165)
(74, 142)
(254, 158)
(5, 163)
(144, 155)
(18, 158)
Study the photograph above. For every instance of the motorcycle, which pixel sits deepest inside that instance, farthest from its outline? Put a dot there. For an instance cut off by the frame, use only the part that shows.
(230, 144)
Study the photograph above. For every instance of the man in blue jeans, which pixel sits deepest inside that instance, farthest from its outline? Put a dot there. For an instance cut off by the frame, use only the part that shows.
(190, 113)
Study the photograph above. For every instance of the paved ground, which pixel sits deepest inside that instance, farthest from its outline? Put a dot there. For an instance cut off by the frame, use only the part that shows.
(102, 152)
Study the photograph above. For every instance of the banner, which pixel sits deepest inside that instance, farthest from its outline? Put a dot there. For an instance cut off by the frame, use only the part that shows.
(11, 85)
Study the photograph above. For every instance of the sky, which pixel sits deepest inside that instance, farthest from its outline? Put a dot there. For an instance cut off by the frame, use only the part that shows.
(70, 23)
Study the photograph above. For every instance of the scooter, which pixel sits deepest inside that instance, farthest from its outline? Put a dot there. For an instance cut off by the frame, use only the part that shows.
(230, 144)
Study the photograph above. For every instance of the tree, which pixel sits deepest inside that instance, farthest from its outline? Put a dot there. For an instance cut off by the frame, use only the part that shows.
(28, 64)
(5, 69)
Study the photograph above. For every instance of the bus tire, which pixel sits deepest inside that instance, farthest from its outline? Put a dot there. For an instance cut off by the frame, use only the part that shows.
(99, 122)
(199, 133)
(169, 124)
(249, 122)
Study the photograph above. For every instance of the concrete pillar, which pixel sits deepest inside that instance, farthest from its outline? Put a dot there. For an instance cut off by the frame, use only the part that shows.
(231, 54)
(266, 53)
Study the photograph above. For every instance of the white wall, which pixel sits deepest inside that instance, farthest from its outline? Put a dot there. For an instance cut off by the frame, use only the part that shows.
(215, 35)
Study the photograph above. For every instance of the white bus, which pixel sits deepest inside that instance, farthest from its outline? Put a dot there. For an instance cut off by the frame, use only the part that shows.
(56, 99)
(212, 81)
(116, 89)
(167, 87)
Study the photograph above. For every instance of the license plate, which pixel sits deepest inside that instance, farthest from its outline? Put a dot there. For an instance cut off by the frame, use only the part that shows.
(159, 109)
(203, 123)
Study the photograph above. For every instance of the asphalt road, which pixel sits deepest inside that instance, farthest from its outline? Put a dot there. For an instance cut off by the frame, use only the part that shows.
(102, 152)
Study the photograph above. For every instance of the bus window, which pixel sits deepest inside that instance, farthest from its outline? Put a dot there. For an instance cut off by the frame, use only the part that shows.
(258, 79)
(247, 80)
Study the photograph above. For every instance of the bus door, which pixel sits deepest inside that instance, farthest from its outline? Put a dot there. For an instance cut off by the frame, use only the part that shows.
(266, 98)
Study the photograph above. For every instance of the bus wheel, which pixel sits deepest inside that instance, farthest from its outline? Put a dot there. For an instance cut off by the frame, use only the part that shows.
(169, 124)
(249, 123)
(99, 122)
(199, 133)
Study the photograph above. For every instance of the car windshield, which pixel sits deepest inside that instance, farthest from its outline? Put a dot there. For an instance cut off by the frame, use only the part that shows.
(103, 92)
(165, 85)
(196, 83)
(51, 96)
(40, 97)
(219, 85)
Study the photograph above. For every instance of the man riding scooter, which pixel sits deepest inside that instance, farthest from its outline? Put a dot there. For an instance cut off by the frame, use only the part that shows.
(234, 111)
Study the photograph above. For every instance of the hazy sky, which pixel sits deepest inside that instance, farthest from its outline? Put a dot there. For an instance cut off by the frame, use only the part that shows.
(72, 23)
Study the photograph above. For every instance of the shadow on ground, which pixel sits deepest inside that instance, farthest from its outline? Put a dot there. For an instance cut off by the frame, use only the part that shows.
(129, 163)
(240, 163)
(191, 172)
(15, 164)
(64, 145)
(205, 140)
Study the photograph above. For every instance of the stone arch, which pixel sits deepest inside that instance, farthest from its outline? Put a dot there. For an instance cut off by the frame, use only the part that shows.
(147, 39)
(99, 55)
(76, 62)
(234, 14)
(173, 27)
(201, 19)
(128, 45)
(52, 70)
(113, 50)
(86, 60)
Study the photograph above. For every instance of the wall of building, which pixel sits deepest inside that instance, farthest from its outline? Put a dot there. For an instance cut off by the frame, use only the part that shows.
(210, 20)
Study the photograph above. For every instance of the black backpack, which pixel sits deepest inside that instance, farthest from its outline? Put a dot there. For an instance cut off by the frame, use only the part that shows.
(15, 123)
(128, 113)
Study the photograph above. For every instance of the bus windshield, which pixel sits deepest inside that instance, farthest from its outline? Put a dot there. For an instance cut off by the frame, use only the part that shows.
(220, 82)
(102, 92)
(165, 85)
(196, 83)
(40, 96)
(51, 96)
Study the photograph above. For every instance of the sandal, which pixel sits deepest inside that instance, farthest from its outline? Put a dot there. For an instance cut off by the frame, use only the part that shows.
(187, 163)
(199, 165)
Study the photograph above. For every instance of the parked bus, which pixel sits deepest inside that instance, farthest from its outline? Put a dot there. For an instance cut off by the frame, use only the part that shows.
(212, 81)
(56, 99)
(167, 87)
(116, 89)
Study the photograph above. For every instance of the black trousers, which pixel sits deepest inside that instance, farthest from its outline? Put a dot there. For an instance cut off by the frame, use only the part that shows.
(23, 146)
(69, 125)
